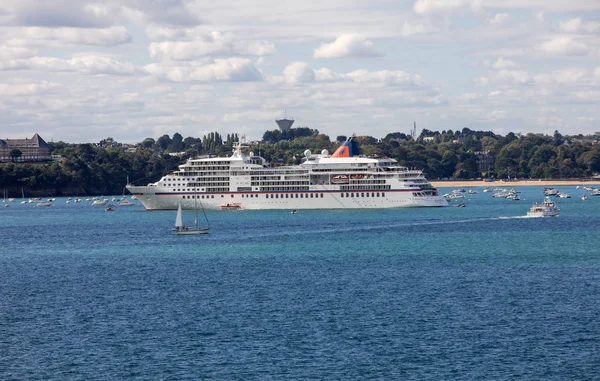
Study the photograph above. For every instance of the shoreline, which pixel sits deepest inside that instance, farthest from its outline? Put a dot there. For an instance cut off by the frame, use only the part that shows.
(511, 183)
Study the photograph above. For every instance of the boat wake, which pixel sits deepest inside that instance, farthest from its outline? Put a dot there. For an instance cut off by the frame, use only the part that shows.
(361, 227)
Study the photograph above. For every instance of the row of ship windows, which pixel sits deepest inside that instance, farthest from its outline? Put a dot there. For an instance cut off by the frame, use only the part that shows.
(425, 194)
(361, 187)
(300, 195)
(364, 194)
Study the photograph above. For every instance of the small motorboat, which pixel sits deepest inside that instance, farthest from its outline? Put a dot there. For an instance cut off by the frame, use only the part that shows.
(126, 202)
(546, 209)
(109, 209)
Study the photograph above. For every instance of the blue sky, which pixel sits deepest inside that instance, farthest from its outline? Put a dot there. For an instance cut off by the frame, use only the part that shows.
(81, 71)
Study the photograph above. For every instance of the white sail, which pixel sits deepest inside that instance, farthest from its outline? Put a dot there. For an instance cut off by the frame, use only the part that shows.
(179, 218)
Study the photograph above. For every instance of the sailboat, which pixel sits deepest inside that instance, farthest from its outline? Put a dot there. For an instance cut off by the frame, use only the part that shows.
(181, 229)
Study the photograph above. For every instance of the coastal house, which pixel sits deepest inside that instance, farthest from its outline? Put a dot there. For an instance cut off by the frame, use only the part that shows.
(34, 149)
(485, 161)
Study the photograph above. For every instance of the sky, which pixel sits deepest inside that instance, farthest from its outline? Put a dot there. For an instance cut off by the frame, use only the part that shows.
(81, 71)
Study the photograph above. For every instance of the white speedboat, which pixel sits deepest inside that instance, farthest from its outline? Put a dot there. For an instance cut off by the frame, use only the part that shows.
(546, 209)
(100, 202)
(126, 202)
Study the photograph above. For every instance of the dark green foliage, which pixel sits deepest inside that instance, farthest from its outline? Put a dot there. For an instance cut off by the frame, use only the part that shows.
(275, 136)
(15, 154)
(105, 167)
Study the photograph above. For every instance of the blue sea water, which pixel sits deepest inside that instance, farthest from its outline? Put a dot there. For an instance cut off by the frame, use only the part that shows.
(440, 293)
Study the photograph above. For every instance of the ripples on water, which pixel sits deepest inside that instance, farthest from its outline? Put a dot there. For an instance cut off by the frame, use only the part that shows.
(451, 293)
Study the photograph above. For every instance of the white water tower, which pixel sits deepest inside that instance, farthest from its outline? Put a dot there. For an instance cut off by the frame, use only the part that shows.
(285, 124)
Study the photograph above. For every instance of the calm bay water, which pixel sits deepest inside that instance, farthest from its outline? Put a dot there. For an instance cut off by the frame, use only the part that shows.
(450, 293)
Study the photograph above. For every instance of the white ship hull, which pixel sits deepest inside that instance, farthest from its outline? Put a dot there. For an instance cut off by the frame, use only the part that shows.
(339, 181)
(291, 200)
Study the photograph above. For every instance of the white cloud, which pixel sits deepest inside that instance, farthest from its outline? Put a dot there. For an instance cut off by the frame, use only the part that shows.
(348, 45)
(388, 78)
(228, 70)
(585, 119)
(501, 63)
(564, 45)
(298, 72)
(496, 115)
(539, 16)
(66, 13)
(481, 81)
(468, 98)
(29, 89)
(550, 122)
(562, 77)
(164, 12)
(427, 7)
(168, 80)
(571, 25)
(499, 18)
(328, 75)
(409, 29)
(511, 77)
(576, 25)
(64, 36)
(92, 65)
(590, 96)
(11, 52)
(544, 5)
(214, 43)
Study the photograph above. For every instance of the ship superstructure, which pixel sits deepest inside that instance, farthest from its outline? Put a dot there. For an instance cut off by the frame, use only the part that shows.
(343, 180)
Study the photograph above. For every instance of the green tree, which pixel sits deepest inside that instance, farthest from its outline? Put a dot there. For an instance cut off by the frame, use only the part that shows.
(163, 142)
(148, 143)
(15, 154)
(176, 143)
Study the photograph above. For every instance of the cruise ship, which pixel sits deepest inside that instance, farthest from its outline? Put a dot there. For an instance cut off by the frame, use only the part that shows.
(343, 180)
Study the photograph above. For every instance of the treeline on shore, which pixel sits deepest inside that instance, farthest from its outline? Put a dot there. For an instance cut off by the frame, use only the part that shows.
(103, 168)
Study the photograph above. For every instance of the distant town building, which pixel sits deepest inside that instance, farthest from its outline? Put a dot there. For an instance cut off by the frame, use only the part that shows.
(485, 161)
(34, 149)
(592, 140)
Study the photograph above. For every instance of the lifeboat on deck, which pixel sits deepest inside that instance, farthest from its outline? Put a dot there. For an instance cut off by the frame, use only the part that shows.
(231, 206)
(339, 179)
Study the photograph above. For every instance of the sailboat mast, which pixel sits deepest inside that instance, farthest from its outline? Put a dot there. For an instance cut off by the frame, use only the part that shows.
(196, 210)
